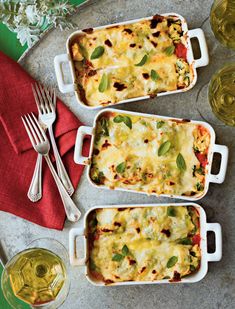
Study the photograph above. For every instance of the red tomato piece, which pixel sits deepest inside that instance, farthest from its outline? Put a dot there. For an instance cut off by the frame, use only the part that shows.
(196, 239)
(202, 158)
(181, 51)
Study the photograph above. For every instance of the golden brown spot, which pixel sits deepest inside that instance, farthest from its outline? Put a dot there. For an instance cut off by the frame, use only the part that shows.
(108, 43)
(129, 31)
(145, 75)
(88, 30)
(142, 269)
(119, 86)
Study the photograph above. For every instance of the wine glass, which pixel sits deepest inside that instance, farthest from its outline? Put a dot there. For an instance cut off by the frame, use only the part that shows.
(222, 20)
(221, 93)
(37, 276)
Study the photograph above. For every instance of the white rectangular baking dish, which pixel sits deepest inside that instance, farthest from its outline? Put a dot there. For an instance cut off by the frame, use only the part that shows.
(214, 148)
(205, 256)
(195, 63)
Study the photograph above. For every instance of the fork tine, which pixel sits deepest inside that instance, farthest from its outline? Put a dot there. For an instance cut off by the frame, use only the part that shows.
(36, 129)
(28, 131)
(53, 96)
(43, 134)
(31, 129)
(49, 97)
(36, 99)
(44, 98)
(40, 99)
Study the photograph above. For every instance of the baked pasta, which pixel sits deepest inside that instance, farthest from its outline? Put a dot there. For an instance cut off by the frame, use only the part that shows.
(134, 60)
(143, 243)
(150, 154)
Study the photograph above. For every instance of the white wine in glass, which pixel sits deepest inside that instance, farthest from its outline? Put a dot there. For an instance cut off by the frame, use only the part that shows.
(222, 19)
(37, 276)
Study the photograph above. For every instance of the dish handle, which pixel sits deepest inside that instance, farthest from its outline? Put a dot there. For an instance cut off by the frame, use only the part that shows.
(81, 133)
(58, 61)
(199, 34)
(73, 234)
(223, 150)
(217, 255)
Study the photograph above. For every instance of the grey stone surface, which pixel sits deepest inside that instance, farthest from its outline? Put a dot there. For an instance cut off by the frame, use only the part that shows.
(217, 290)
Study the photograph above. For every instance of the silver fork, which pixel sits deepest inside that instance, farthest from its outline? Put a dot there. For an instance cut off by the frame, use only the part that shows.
(41, 144)
(46, 103)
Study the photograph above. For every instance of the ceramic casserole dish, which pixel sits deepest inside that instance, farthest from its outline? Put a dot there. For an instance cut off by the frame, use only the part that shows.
(151, 154)
(131, 61)
(145, 244)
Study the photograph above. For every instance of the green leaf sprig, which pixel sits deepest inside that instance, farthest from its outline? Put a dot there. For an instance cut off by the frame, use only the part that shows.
(181, 162)
(103, 83)
(172, 261)
(121, 168)
(97, 52)
(118, 257)
(142, 61)
(169, 50)
(124, 119)
(185, 241)
(154, 75)
(164, 148)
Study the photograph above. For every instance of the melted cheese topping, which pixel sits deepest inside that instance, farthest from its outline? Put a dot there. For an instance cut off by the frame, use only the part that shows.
(144, 243)
(130, 158)
(123, 48)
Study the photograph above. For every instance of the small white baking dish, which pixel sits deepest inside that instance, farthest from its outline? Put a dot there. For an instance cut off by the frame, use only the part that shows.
(205, 256)
(213, 148)
(194, 63)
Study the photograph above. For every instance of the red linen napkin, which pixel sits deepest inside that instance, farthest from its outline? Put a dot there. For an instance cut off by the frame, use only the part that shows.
(17, 158)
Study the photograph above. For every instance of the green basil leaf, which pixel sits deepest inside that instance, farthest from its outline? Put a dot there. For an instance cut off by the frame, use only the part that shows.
(127, 121)
(97, 52)
(142, 61)
(118, 119)
(117, 257)
(172, 261)
(154, 75)
(171, 211)
(166, 277)
(169, 50)
(121, 168)
(164, 148)
(192, 268)
(125, 250)
(103, 83)
(181, 162)
(185, 241)
(160, 124)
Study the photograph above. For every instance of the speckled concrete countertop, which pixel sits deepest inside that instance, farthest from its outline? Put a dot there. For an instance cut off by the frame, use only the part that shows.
(217, 290)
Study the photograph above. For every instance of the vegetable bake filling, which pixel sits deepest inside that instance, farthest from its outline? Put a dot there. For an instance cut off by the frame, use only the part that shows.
(150, 154)
(127, 61)
(143, 243)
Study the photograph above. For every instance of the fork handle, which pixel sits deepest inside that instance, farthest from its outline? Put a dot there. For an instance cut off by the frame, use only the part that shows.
(63, 175)
(72, 212)
(35, 188)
